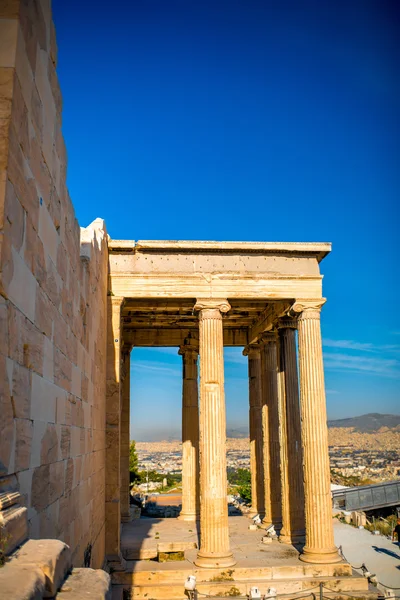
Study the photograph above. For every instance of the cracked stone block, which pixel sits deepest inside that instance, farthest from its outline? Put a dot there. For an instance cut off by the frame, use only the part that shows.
(52, 557)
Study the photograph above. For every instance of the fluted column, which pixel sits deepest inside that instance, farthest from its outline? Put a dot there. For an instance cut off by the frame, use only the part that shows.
(270, 411)
(290, 433)
(253, 352)
(125, 438)
(320, 547)
(214, 533)
(190, 434)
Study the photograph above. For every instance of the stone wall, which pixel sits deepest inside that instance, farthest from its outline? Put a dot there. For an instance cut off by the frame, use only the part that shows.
(53, 292)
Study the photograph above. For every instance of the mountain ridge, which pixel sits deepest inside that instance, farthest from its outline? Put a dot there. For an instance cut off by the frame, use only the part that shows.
(368, 423)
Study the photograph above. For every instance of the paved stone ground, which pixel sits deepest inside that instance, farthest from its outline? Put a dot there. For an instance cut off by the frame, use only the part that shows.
(147, 533)
(379, 554)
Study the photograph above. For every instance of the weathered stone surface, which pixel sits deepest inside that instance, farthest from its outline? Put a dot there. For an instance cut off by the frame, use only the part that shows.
(23, 442)
(21, 582)
(52, 557)
(21, 390)
(87, 583)
(40, 487)
(6, 421)
(49, 446)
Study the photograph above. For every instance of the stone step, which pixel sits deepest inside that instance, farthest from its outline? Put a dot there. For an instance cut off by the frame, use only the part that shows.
(143, 573)
(91, 584)
(13, 527)
(132, 552)
(8, 499)
(21, 583)
(334, 586)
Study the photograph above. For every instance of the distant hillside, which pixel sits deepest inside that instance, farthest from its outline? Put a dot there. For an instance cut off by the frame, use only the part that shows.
(368, 423)
(240, 432)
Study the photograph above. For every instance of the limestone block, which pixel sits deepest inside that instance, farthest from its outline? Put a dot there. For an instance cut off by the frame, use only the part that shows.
(21, 389)
(65, 441)
(49, 445)
(22, 287)
(21, 177)
(13, 215)
(39, 427)
(62, 370)
(23, 70)
(48, 365)
(3, 325)
(34, 253)
(23, 442)
(87, 583)
(36, 112)
(6, 421)
(25, 341)
(52, 557)
(44, 313)
(56, 480)
(48, 233)
(52, 284)
(40, 487)
(43, 399)
(20, 118)
(14, 527)
(21, 582)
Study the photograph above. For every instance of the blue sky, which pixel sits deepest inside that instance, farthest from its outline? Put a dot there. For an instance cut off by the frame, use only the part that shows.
(247, 120)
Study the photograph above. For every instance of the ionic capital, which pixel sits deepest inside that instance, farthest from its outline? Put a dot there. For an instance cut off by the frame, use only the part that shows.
(252, 350)
(307, 309)
(117, 301)
(212, 308)
(188, 349)
(269, 337)
(287, 323)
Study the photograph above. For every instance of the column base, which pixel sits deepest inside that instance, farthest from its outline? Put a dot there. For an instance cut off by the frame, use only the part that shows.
(253, 513)
(321, 557)
(188, 517)
(214, 560)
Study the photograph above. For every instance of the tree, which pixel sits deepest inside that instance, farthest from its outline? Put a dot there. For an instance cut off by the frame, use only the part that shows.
(241, 478)
(133, 462)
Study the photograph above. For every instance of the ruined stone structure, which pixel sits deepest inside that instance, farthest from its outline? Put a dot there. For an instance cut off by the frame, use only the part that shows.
(200, 296)
(65, 389)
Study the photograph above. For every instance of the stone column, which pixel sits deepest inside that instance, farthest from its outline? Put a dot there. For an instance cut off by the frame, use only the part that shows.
(214, 533)
(125, 438)
(290, 433)
(190, 435)
(113, 433)
(320, 547)
(253, 352)
(270, 410)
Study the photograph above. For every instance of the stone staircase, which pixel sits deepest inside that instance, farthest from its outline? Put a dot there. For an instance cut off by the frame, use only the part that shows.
(36, 569)
(140, 582)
